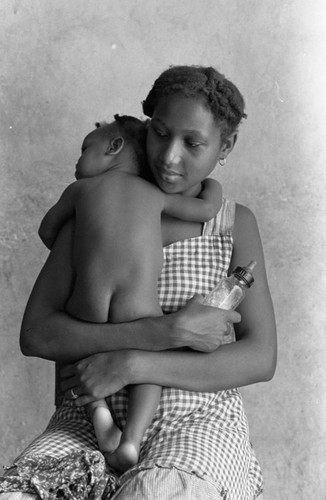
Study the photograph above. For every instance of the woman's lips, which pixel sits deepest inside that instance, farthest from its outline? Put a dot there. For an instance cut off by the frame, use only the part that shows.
(168, 175)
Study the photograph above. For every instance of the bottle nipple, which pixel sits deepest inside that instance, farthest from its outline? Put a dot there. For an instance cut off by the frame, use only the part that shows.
(251, 266)
(245, 273)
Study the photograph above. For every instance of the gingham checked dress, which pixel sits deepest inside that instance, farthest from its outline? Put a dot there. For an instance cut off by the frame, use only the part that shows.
(205, 434)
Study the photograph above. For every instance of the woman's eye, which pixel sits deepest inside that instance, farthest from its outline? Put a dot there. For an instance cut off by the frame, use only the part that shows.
(159, 132)
(193, 144)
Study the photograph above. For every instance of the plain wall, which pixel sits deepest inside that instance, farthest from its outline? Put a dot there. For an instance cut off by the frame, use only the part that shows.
(65, 65)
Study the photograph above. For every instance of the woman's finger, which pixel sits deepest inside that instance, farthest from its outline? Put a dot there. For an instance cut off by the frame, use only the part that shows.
(233, 317)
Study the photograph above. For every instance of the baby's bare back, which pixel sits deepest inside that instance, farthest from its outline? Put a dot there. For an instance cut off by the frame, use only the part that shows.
(117, 248)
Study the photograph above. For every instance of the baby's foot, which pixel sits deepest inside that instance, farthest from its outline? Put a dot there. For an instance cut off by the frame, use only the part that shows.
(109, 441)
(124, 457)
(107, 433)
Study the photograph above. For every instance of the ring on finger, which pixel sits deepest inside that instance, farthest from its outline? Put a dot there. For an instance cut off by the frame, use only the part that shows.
(73, 394)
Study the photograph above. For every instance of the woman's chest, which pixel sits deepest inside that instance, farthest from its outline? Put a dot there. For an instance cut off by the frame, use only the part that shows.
(194, 265)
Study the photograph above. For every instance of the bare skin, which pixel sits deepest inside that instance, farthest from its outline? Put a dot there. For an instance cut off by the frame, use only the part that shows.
(117, 256)
(251, 359)
(47, 332)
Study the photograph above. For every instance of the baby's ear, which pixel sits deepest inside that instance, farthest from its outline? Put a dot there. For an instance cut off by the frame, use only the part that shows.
(116, 146)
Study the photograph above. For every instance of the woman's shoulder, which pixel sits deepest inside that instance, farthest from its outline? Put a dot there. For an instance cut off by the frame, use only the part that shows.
(244, 219)
(246, 235)
(232, 217)
(223, 222)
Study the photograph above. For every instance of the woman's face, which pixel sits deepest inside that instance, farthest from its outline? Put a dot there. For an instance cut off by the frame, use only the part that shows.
(183, 144)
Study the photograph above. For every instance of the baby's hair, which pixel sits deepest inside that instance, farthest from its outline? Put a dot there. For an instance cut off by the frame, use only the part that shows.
(133, 130)
(221, 96)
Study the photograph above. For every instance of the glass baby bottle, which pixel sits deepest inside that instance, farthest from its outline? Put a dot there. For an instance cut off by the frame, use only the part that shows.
(230, 291)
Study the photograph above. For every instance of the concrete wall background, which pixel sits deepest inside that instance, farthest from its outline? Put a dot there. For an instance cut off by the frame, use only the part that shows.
(66, 65)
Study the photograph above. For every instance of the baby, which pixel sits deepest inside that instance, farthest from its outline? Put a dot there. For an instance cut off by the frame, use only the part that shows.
(117, 255)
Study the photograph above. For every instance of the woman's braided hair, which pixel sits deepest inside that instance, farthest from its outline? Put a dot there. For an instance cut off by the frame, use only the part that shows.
(221, 96)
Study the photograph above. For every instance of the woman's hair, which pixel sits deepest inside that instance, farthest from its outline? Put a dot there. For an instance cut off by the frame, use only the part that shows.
(134, 131)
(221, 96)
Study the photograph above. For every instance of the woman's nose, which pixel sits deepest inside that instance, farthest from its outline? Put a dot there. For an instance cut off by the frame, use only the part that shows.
(172, 155)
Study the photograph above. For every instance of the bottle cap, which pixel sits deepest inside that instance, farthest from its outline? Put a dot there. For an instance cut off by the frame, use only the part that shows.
(244, 274)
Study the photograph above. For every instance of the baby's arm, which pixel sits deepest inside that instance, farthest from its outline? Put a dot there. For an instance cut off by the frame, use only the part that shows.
(56, 217)
(200, 209)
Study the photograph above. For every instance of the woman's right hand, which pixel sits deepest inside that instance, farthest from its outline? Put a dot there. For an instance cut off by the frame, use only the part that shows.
(201, 328)
(97, 376)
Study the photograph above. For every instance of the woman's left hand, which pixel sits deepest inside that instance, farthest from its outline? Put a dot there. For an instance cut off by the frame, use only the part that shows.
(95, 377)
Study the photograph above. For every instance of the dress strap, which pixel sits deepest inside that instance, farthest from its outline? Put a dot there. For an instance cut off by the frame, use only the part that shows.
(223, 222)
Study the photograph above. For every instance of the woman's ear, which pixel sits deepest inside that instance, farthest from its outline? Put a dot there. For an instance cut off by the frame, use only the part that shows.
(116, 146)
(229, 144)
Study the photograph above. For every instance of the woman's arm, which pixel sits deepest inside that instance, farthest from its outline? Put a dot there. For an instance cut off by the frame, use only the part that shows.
(249, 360)
(252, 358)
(49, 332)
(200, 209)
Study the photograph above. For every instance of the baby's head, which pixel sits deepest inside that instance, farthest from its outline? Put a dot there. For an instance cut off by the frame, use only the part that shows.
(102, 148)
(220, 95)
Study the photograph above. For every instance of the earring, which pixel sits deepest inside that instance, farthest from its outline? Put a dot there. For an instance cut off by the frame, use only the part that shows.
(222, 162)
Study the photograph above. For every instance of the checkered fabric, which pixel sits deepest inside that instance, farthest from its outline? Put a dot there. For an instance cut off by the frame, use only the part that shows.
(69, 430)
(205, 434)
(202, 433)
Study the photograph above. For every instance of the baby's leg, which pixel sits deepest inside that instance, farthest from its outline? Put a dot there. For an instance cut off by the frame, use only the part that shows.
(137, 298)
(107, 433)
(142, 403)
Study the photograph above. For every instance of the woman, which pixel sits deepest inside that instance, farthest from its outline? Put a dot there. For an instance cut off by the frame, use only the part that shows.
(198, 443)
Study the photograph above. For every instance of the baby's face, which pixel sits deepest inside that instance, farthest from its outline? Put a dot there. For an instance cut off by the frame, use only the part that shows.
(94, 159)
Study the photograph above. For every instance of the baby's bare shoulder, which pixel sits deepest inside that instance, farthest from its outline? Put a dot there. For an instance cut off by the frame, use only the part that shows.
(114, 190)
(120, 183)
